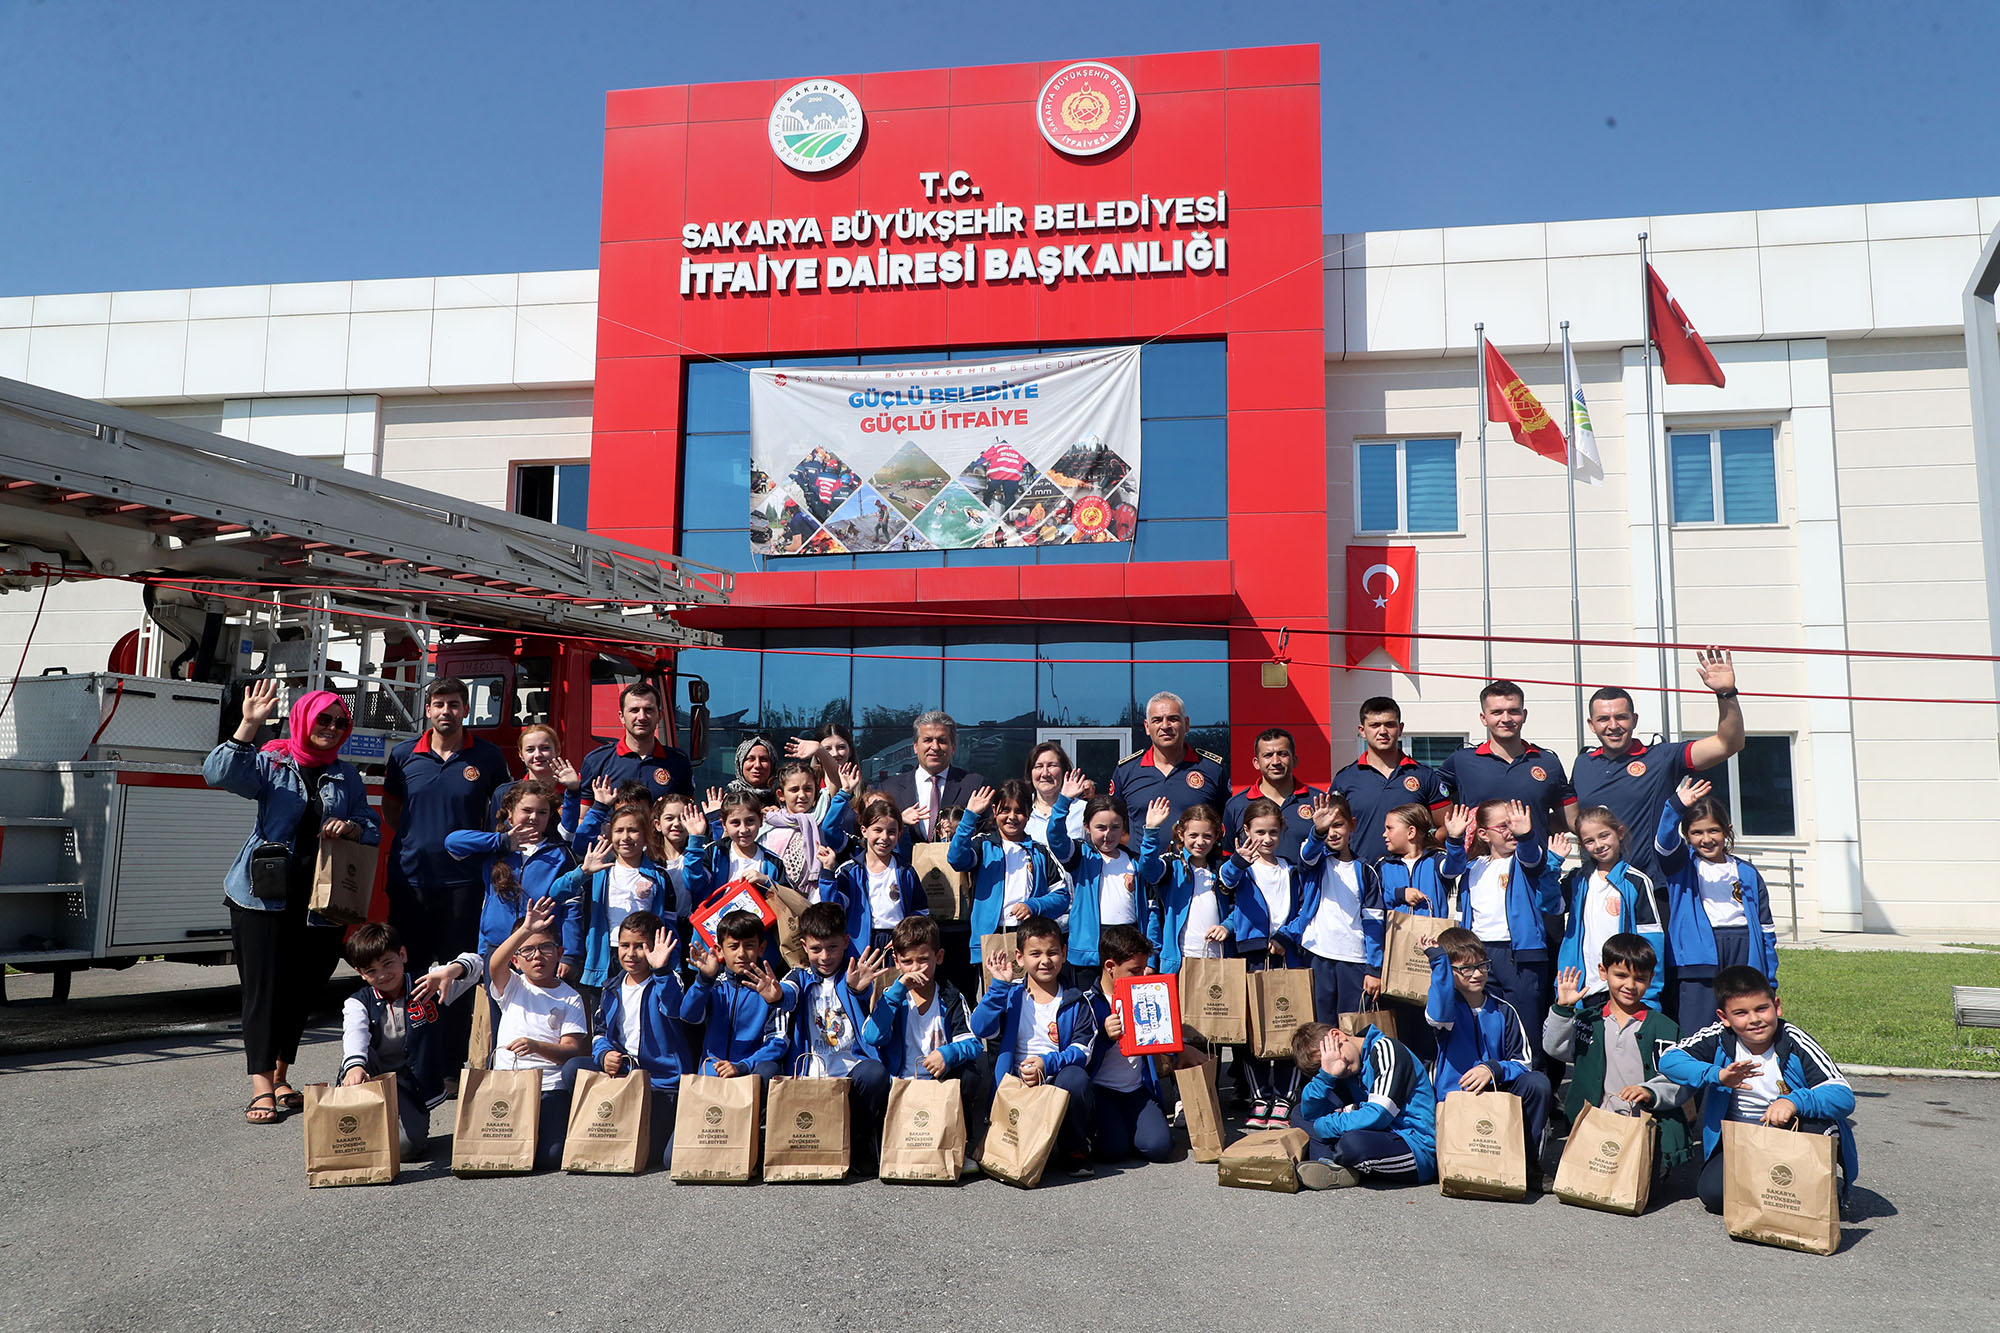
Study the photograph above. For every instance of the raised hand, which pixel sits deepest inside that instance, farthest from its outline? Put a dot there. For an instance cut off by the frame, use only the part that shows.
(1519, 822)
(712, 803)
(1075, 784)
(1569, 986)
(864, 968)
(603, 791)
(979, 802)
(798, 747)
(542, 915)
(1001, 964)
(706, 961)
(1456, 821)
(1715, 668)
(850, 781)
(827, 859)
(1737, 1074)
(693, 821)
(520, 837)
(260, 701)
(1243, 847)
(1324, 813)
(1158, 811)
(430, 986)
(758, 977)
(1560, 844)
(599, 857)
(1691, 790)
(661, 951)
(567, 775)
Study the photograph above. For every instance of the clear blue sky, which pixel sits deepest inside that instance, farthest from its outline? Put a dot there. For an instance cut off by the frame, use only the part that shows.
(192, 144)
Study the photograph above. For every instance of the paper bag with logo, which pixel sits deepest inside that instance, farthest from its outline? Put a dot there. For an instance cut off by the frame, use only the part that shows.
(351, 1133)
(499, 1113)
(715, 1129)
(1281, 998)
(787, 902)
(1359, 1022)
(1215, 1002)
(344, 880)
(610, 1124)
(1005, 942)
(1406, 972)
(1608, 1164)
(807, 1130)
(1202, 1108)
(1482, 1151)
(923, 1131)
(1023, 1134)
(1779, 1187)
(1265, 1160)
(949, 890)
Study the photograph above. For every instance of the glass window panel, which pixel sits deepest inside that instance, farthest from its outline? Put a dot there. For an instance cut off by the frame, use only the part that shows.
(573, 495)
(535, 491)
(718, 767)
(1375, 478)
(1749, 476)
(1431, 750)
(1203, 684)
(1084, 553)
(732, 680)
(1082, 681)
(718, 397)
(1764, 770)
(778, 564)
(715, 480)
(1008, 555)
(1184, 469)
(1181, 539)
(990, 694)
(1432, 484)
(890, 690)
(900, 560)
(804, 688)
(1184, 380)
(1694, 488)
(726, 550)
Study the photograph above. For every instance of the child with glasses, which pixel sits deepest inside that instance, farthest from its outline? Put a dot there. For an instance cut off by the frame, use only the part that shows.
(1482, 1044)
(542, 1024)
(1510, 893)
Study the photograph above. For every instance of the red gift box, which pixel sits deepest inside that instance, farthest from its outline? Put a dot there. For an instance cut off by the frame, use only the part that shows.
(736, 895)
(1151, 1008)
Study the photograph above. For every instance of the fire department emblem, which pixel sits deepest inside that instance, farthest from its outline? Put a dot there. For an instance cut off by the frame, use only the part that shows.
(1637, 768)
(1196, 781)
(1410, 783)
(1086, 108)
(1092, 515)
(660, 778)
(1538, 773)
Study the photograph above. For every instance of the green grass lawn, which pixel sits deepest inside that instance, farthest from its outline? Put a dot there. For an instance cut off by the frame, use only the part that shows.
(1887, 1008)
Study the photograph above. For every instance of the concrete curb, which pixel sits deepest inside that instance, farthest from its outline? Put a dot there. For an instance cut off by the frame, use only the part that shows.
(1890, 1071)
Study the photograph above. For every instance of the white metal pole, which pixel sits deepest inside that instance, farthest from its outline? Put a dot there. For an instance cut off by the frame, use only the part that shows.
(1485, 541)
(1653, 485)
(1575, 601)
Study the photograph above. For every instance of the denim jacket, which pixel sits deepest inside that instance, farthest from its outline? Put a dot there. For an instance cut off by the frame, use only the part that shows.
(279, 789)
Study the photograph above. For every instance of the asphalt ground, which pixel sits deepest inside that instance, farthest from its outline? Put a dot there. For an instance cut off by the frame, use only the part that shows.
(133, 1195)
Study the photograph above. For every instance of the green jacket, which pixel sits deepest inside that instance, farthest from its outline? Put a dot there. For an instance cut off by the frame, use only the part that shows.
(1580, 1039)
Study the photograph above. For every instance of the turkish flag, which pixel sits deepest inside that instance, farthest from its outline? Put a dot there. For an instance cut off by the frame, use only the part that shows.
(1684, 357)
(1381, 602)
(1508, 400)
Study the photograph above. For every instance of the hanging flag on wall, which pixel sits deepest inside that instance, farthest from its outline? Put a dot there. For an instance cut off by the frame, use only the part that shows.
(1684, 357)
(1584, 462)
(1509, 400)
(1381, 602)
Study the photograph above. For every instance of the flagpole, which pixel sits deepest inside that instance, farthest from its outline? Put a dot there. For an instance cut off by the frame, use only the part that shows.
(1575, 601)
(1653, 484)
(1485, 542)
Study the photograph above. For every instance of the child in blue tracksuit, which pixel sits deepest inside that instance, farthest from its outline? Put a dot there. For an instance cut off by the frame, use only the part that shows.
(709, 864)
(1129, 1102)
(1266, 891)
(1506, 896)
(1482, 1043)
(1192, 903)
(617, 878)
(1012, 877)
(921, 1026)
(1108, 884)
(1369, 1110)
(1606, 897)
(1044, 1031)
(818, 1026)
(526, 862)
(1753, 1066)
(639, 1022)
(1718, 906)
(1338, 924)
(877, 889)
(732, 995)
(1412, 874)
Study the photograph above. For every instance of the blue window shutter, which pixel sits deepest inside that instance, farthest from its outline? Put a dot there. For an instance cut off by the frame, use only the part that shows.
(1432, 467)
(1749, 476)
(1694, 488)
(1375, 478)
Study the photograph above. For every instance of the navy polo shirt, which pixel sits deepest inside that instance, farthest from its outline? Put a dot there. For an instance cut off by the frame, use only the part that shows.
(665, 771)
(440, 796)
(1197, 780)
(1371, 795)
(1475, 774)
(1634, 786)
(1298, 821)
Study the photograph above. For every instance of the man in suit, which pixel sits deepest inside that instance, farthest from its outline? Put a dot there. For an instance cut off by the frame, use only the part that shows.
(934, 784)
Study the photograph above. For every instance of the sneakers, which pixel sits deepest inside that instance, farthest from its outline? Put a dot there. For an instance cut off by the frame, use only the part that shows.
(1260, 1116)
(1078, 1168)
(1316, 1173)
(1281, 1115)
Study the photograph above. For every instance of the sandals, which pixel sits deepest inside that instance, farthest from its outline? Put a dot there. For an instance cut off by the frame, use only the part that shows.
(289, 1098)
(263, 1115)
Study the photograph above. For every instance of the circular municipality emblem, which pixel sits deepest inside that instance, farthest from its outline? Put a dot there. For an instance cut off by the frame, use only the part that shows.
(922, 1118)
(1781, 1175)
(1410, 783)
(660, 778)
(1214, 990)
(804, 1120)
(713, 1115)
(1538, 773)
(471, 773)
(1637, 768)
(499, 1109)
(1283, 1004)
(1484, 1127)
(1093, 515)
(1610, 1147)
(816, 125)
(347, 1124)
(1086, 108)
(779, 379)
(1013, 1116)
(604, 1110)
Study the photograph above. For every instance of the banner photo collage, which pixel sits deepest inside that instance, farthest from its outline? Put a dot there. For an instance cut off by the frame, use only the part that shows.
(963, 455)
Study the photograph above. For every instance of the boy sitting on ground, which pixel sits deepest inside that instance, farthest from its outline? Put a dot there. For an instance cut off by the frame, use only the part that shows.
(1368, 1109)
(922, 1028)
(732, 995)
(390, 1025)
(1482, 1044)
(1615, 1050)
(639, 1023)
(1045, 1030)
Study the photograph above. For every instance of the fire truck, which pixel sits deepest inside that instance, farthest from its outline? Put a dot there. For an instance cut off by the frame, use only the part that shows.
(253, 563)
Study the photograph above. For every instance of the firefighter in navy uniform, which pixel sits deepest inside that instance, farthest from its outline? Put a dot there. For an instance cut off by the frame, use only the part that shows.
(1169, 767)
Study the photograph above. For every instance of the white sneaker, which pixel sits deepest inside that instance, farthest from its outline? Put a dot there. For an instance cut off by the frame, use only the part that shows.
(1316, 1173)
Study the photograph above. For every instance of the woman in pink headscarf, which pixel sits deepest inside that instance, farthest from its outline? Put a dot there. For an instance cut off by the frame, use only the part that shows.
(304, 792)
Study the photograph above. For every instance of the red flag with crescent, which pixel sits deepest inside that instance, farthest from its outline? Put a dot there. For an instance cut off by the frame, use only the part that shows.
(1508, 400)
(1381, 602)
(1684, 357)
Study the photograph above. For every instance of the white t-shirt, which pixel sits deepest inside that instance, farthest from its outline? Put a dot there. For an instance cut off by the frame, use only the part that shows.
(683, 901)
(1020, 874)
(527, 1010)
(885, 900)
(923, 1032)
(1204, 913)
(1489, 878)
(833, 1033)
(1721, 892)
(1335, 930)
(1031, 1035)
(626, 893)
(631, 1015)
(743, 867)
(1602, 906)
(1274, 883)
(1760, 1089)
(1118, 892)
(1038, 824)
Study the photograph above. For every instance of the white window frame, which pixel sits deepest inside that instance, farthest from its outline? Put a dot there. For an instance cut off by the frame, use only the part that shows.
(1717, 501)
(1402, 528)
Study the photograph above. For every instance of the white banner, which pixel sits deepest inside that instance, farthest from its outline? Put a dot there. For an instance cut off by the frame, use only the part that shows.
(1037, 451)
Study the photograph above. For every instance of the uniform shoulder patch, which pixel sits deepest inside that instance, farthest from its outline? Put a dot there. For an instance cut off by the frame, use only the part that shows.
(1130, 757)
(1210, 755)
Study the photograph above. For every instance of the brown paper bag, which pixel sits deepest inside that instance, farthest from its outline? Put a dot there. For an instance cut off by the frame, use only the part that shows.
(949, 890)
(499, 1114)
(1201, 1106)
(351, 1134)
(923, 1131)
(1265, 1160)
(479, 1049)
(1358, 1023)
(1608, 1164)
(1215, 1004)
(1406, 972)
(807, 1129)
(1779, 1187)
(1482, 1153)
(1281, 998)
(787, 903)
(1025, 1124)
(344, 880)
(610, 1124)
(715, 1129)
(1006, 941)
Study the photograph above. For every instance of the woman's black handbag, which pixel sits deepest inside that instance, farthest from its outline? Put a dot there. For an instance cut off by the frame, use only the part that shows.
(270, 871)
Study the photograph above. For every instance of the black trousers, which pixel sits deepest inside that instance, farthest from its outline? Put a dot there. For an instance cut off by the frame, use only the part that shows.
(283, 965)
(437, 925)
